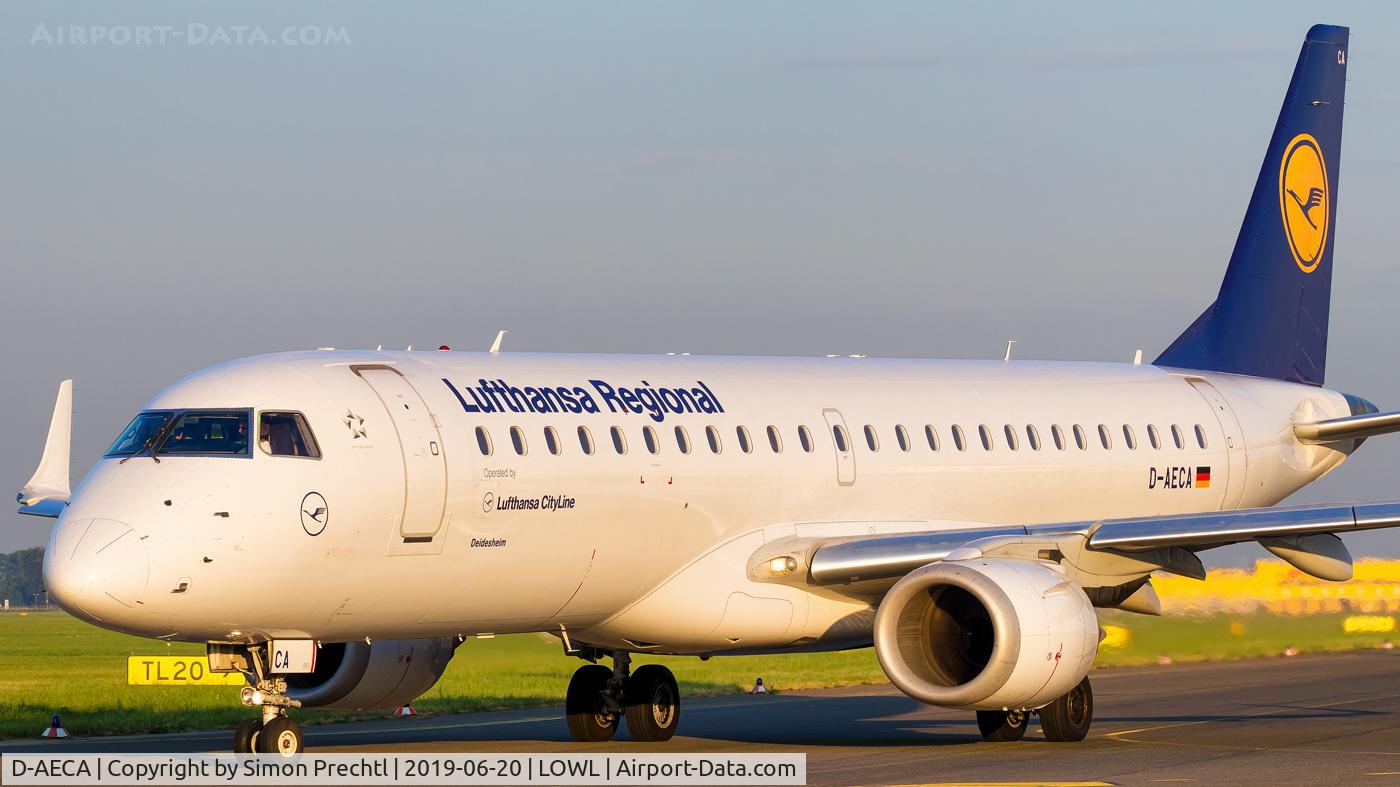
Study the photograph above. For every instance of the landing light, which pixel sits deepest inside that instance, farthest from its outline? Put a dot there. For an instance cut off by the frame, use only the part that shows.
(783, 565)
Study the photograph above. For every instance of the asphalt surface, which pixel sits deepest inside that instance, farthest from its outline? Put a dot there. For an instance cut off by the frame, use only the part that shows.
(1326, 719)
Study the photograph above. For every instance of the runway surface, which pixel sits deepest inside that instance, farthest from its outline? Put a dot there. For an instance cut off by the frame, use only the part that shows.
(1326, 719)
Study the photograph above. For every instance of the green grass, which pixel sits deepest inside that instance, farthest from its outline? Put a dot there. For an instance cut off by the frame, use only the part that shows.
(51, 663)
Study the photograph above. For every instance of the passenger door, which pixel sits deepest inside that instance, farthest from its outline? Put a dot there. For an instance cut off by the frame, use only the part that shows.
(1234, 442)
(420, 445)
(841, 444)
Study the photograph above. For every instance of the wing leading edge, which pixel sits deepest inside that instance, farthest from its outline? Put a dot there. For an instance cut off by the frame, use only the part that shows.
(1114, 550)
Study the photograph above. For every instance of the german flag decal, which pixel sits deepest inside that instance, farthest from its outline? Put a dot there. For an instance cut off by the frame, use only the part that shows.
(1203, 478)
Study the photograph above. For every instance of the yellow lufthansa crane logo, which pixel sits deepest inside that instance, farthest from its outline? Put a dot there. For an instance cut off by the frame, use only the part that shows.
(1305, 200)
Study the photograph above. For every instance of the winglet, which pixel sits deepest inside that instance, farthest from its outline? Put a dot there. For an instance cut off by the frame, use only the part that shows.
(49, 484)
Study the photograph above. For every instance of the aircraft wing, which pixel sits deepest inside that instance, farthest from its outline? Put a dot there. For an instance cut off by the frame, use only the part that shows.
(1109, 551)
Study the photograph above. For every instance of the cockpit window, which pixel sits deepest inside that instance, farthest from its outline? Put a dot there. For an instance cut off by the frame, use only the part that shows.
(286, 434)
(222, 432)
(142, 428)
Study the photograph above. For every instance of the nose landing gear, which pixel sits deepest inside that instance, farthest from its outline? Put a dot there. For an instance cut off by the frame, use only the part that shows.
(599, 698)
(273, 732)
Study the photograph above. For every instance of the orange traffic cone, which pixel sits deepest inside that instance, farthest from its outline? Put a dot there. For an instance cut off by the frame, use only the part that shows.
(405, 711)
(55, 730)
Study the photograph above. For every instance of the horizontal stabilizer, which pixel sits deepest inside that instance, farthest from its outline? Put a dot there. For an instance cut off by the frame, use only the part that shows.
(1352, 427)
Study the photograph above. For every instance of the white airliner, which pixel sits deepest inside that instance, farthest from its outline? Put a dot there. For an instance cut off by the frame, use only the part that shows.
(333, 523)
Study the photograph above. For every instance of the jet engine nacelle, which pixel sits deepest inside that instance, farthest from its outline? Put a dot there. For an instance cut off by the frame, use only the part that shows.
(986, 634)
(385, 674)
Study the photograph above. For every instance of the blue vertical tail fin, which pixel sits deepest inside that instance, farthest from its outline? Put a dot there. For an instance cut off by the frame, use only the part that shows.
(1270, 318)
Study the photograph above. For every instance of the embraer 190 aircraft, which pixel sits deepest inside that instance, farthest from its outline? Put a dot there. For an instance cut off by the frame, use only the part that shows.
(334, 523)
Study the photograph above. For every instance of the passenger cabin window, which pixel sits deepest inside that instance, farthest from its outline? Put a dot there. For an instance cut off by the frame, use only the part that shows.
(619, 440)
(712, 435)
(1010, 432)
(986, 435)
(483, 441)
(902, 436)
(1105, 438)
(207, 433)
(286, 434)
(838, 434)
(142, 428)
(958, 440)
(1177, 438)
(1200, 436)
(682, 439)
(775, 440)
(1058, 435)
(1129, 437)
(745, 444)
(872, 440)
(649, 437)
(804, 436)
(1033, 437)
(517, 439)
(1079, 438)
(585, 440)
(1153, 438)
(931, 435)
(551, 440)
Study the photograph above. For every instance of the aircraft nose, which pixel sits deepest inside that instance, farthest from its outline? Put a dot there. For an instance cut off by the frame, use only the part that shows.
(97, 569)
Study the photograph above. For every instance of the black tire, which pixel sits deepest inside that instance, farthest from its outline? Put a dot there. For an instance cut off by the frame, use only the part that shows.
(1002, 726)
(281, 736)
(584, 707)
(1067, 719)
(653, 703)
(245, 736)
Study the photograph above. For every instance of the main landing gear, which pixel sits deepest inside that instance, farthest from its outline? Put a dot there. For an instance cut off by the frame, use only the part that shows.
(599, 698)
(1066, 720)
(272, 732)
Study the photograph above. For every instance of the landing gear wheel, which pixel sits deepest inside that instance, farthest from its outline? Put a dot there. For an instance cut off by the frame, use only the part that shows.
(1067, 719)
(280, 736)
(586, 708)
(653, 704)
(245, 736)
(1002, 726)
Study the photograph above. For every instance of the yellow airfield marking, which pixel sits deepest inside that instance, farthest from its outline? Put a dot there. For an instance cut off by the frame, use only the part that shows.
(1009, 784)
(442, 726)
(1117, 735)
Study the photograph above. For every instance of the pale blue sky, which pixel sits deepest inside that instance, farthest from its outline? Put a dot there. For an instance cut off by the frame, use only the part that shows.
(900, 179)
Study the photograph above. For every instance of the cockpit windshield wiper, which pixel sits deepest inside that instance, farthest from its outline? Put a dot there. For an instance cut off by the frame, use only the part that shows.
(154, 442)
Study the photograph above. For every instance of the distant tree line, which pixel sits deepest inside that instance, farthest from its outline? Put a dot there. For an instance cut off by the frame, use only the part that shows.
(22, 577)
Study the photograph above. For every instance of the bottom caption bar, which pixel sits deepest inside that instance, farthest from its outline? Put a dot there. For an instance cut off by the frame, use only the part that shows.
(237, 769)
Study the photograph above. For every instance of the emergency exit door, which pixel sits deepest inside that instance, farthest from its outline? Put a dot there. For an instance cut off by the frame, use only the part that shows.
(841, 443)
(420, 445)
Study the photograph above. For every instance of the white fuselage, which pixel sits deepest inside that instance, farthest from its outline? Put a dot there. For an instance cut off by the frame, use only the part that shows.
(426, 536)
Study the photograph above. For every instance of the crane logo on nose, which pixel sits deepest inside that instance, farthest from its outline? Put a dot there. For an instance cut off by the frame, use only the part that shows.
(315, 514)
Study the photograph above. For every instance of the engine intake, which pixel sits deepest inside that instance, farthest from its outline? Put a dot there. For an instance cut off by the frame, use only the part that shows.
(385, 674)
(986, 634)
